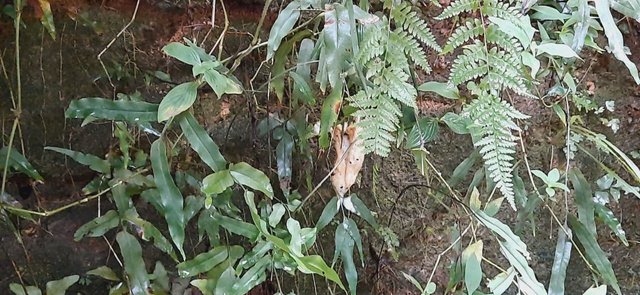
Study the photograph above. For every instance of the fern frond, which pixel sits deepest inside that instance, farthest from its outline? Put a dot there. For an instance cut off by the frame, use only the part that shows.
(505, 70)
(412, 23)
(379, 119)
(458, 7)
(372, 43)
(394, 85)
(471, 29)
(410, 47)
(494, 36)
(471, 64)
(493, 123)
(501, 9)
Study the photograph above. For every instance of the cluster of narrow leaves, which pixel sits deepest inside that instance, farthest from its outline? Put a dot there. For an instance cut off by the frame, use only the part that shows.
(224, 269)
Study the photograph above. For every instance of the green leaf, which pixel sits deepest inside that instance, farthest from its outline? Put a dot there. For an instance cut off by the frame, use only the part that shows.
(548, 13)
(119, 110)
(424, 130)
(492, 207)
(329, 114)
(182, 53)
(287, 18)
(553, 49)
(600, 290)
(329, 211)
(151, 233)
(133, 263)
(47, 21)
(237, 227)
(60, 287)
(104, 272)
(594, 253)
(203, 262)
(560, 263)
(584, 200)
(284, 155)
(226, 282)
(220, 83)
(98, 226)
(277, 212)
(217, 183)
(501, 282)
(473, 267)
(442, 89)
(20, 290)
(363, 211)
(413, 281)
(336, 41)
(253, 277)
(344, 249)
(456, 123)
(302, 88)
(170, 196)
(278, 72)
(246, 175)
(201, 142)
(612, 222)
(531, 61)
(18, 162)
(315, 264)
(94, 163)
(258, 251)
(527, 278)
(460, 173)
(512, 29)
(160, 283)
(501, 230)
(614, 36)
(177, 100)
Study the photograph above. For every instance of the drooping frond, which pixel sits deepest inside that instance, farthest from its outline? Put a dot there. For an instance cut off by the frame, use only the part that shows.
(379, 116)
(412, 23)
(372, 44)
(494, 62)
(385, 55)
(492, 121)
(405, 43)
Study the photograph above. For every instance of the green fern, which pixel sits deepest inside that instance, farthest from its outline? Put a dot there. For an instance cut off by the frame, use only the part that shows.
(386, 55)
(493, 122)
(493, 60)
(458, 7)
(409, 21)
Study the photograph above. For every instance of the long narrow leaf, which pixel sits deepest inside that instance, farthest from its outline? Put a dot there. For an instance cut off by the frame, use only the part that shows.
(18, 162)
(170, 196)
(94, 163)
(201, 142)
(614, 36)
(131, 111)
(133, 263)
(560, 263)
(584, 200)
(595, 253)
